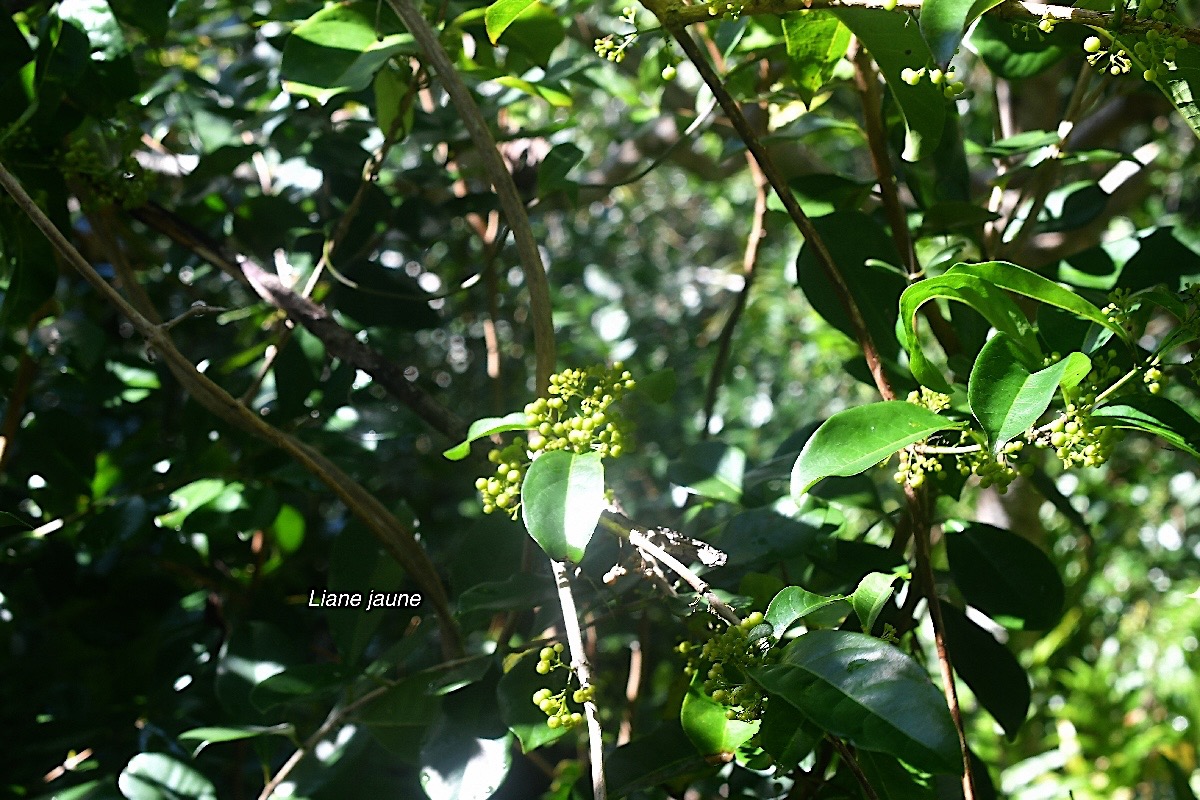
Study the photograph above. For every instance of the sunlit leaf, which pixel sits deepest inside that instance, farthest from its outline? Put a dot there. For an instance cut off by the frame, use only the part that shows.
(562, 498)
(854, 440)
(489, 426)
(1005, 576)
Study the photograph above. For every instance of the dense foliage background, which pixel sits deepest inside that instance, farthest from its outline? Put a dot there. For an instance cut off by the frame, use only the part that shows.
(285, 195)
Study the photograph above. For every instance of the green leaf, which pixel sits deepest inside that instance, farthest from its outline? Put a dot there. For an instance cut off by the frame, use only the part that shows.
(985, 297)
(1005, 576)
(855, 240)
(1007, 397)
(795, 603)
(562, 498)
(457, 764)
(1010, 53)
(816, 42)
(710, 469)
(945, 22)
(95, 18)
(535, 33)
(895, 45)
(301, 682)
(481, 428)
(1036, 287)
(552, 172)
(391, 85)
(1181, 85)
(514, 695)
(501, 14)
(989, 668)
(8, 520)
(157, 776)
(207, 736)
(518, 591)
(663, 754)
(288, 528)
(787, 735)
(1156, 415)
(851, 441)
(872, 594)
(197, 494)
(869, 693)
(555, 97)
(340, 48)
(399, 718)
(704, 721)
(892, 780)
(357, 564)
(1179, 779)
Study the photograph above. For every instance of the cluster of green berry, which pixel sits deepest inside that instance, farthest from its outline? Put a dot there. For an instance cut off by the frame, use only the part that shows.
(613, 46)
(723, 661)
(1159, 50)
(578, 416)
(948, 80)
(998, 470)
(1077, 440)
(558, 712)
(1112, 59)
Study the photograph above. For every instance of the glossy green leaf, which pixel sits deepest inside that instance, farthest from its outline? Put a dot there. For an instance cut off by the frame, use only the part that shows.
(1156, 415)
(1181, 84)
(794, 603)
(854, 440)
(514, 695)
(206, 736)
(1005, 576)
(357, 564)
(552, 172)
(503, 13)
(1007, 397)
(1036, 287)
(399, 718)
(562, 498)
(662, 754)
(985, 297)
(517, 591)
(989, 668)
(705, 723)
(391, 85)
(158, 776)
(895, 44)
(300, 682)
(892, 780)
(816, 41)
(553, 96)
(488, 426)
(288, 528)
(869, 693)
(872, 594)
(710, 469)
(340, 48)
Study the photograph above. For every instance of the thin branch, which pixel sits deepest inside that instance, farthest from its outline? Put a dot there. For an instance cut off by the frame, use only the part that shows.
(698, 584)
(848, 757)
(502, 181)
(336, 717)
(866, 80)
(749, 270)
(395, 537)
(583, 671)
(920, 528)
(811, 237)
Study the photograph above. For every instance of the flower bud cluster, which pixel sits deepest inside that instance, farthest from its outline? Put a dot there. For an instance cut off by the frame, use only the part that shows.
(998, 470)
(1078, 441)
(723, 661)
(947, 81)
(577, 416)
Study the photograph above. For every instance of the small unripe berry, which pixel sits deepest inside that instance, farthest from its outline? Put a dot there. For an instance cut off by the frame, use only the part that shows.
(1091, 44)
(669, 72)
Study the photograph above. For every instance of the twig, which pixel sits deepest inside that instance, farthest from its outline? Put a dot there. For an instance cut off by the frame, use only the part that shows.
(920, 528)
(502, 181)
(811, 237)
(749, 270)
(395, 537)
(698, 584)
(579, 663)
(335, 718)
(848, 757)
(866, 80)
